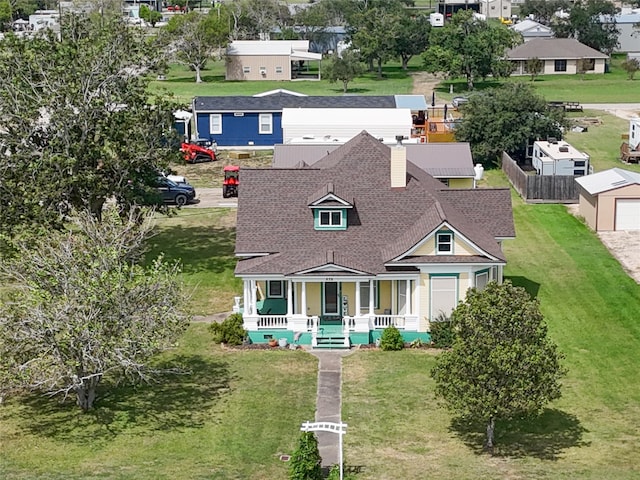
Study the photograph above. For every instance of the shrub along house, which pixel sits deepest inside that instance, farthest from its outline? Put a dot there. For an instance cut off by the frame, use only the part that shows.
(332, 254)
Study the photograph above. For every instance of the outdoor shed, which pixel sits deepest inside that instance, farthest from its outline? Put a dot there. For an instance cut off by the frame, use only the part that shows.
(319, 123)
(559, 55)
(269, 60)
(610, 200)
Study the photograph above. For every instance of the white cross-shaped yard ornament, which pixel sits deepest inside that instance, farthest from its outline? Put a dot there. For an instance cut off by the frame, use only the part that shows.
(339, 428)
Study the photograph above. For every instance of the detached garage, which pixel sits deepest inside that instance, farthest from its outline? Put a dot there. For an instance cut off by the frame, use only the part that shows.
(610, 200)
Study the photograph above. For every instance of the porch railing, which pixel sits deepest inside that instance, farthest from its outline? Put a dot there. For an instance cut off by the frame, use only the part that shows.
(384, 321)
(273, 321)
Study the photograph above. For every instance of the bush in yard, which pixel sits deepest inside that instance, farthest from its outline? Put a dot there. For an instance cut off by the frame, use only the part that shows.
(305, 461)
(442, 332)
(230, 331)
(391, 339)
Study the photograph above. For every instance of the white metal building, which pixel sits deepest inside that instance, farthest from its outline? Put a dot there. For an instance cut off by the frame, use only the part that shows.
(327, 123)
(553, 157)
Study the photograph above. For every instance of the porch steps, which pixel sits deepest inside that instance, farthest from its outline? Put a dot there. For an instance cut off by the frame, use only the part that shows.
(331, 336)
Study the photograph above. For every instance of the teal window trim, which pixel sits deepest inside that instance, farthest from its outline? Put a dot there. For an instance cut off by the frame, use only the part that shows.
(328, 216)
(270, 292)
(441, 242)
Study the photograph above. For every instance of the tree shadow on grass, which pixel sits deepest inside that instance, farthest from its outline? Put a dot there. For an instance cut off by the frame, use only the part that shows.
(199, 249)
(530, 286)
(544, 437)
(172, 401)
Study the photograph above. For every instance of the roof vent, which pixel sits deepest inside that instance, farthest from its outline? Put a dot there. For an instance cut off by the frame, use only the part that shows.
(553, 140)
(564, 148)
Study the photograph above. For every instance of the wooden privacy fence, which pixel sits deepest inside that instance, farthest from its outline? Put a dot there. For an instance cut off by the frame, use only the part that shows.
(540, 188)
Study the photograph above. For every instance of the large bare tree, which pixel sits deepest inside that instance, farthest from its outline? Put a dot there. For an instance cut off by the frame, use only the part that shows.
(82, 307)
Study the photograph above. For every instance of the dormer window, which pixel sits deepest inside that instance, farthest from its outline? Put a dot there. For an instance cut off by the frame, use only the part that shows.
(329, 208)
(444, 243)
(330, 218)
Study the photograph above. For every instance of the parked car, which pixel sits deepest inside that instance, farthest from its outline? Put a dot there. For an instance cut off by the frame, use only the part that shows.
(174, 178)
(177, 193)
(457, 102)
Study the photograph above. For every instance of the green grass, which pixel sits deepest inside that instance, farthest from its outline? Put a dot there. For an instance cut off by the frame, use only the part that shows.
(203, 241)
(181, 83)
(229, 419)
(397, 429)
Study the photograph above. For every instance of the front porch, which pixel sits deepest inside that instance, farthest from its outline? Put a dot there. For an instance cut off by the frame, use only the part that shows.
(322, 313)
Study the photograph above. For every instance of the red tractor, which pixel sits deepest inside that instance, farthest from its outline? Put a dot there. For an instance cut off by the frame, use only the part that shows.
(231, 180)
(198, 151)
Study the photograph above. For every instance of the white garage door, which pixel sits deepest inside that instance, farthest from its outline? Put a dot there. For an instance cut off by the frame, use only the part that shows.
(627, 214)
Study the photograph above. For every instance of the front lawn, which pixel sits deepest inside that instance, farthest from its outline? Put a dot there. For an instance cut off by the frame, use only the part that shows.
(230, 419)
(397, 430)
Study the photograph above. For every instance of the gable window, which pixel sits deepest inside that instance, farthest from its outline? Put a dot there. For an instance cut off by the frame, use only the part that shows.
(364, 296)
(246, 69)
(215, 123)
(330, 218)
(560, 66)
(266, 123)
(444, 243)
(275, 289)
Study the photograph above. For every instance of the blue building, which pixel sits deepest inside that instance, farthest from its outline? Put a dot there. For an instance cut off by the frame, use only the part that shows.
(240, 121)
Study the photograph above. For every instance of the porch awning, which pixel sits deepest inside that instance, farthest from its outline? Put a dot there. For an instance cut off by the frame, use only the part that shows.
(305, 56)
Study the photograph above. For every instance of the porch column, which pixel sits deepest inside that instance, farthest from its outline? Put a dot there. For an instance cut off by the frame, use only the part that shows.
(253, 300)
(303, 304)
(407, 293)
(289, 298)
(246, 300)
(295, 294)
(417, 297)
(372, 299)
(358, 306)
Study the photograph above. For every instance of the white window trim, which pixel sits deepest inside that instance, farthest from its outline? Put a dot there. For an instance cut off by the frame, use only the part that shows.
(482, 274)
(330, 224)
(279, 70)
(246, 69)
(268, 131)
(438, 243)
(270, 294)
(212, 129)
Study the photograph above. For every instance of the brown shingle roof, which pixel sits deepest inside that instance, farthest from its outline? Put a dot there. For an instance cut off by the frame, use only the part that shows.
(553, 48)
(274, 217)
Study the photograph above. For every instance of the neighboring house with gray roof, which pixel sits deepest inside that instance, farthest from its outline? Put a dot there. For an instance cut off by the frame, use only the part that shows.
(560, 56)
(268, 59)
(530, 29)
(245, 120)
(451, 162)
(332, 254)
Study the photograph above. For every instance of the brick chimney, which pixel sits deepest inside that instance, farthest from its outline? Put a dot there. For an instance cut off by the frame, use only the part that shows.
(399, 164)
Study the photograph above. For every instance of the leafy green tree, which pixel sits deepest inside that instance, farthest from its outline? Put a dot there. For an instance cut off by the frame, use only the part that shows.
(256, 19)
(149, 15)
(84, 308)
(411, 37)
(344, 68)
(305, 461)
(631, 66)
(6, 15)
(470, 48)
(586, 25)
(502, 364)
(374, 34)
(194, 37)
(78, 120)
(534, 67)
(543, 11)
(507, 119)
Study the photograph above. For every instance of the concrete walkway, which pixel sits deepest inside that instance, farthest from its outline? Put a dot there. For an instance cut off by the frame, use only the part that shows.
(328, 401)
